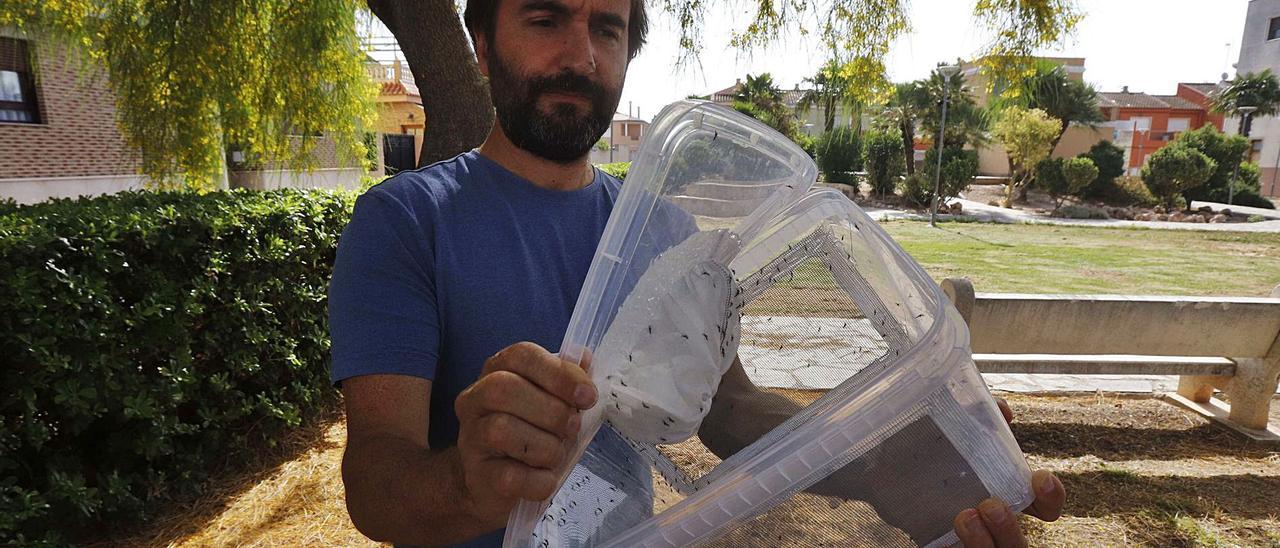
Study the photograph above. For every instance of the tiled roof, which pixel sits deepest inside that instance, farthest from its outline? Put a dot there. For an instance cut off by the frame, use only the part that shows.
(1178, 103)
(1202, 89)
(400, 88)
(620, 117)
(1109, 99)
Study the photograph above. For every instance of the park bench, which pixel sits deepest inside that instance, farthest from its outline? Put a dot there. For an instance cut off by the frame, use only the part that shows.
(1228, 343)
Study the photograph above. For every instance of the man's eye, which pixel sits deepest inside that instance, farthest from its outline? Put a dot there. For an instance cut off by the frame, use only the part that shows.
(545, 23)
(608, 33)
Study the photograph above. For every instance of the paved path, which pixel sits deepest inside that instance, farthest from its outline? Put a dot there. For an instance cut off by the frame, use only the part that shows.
(815, 353)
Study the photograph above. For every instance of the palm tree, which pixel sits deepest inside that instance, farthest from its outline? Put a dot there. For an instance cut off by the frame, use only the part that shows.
(1259, 90)
(1051, 90)
(761, 99)
(829, 90)
(966, 121)
(906, 106)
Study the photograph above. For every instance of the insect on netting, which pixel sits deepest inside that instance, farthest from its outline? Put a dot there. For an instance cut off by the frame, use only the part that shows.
(853, 413)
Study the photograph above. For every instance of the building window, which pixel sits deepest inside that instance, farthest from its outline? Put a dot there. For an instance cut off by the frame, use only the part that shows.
(1141, 123)
(17, 83)
(1273, 32)
(1255, 151)
(633, 130)
(1178, 125)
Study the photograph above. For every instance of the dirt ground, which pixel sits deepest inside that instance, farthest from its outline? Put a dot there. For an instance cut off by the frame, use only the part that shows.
(1138, 472)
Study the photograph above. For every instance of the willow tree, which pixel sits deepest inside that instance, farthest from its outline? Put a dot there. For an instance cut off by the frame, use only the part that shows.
(192, 77)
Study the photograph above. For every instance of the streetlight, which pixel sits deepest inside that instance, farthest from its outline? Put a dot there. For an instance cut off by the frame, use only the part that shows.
(947, 72)
(1245, 112)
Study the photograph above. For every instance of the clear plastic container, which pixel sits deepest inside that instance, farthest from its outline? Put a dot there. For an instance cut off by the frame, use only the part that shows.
(877, 430)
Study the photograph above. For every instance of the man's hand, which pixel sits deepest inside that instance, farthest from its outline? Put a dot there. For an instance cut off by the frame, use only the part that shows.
(991, 524)
(518, 423)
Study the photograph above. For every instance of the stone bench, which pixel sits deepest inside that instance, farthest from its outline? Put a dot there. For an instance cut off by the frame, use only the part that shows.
(1228, 343)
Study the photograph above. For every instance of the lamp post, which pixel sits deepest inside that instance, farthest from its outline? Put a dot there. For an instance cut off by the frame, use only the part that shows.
(946, 72)
(1245, 112)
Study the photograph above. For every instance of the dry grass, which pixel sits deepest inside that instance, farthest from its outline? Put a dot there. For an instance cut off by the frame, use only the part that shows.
(1138, 471)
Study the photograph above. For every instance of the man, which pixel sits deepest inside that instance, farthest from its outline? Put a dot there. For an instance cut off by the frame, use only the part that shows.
(453, 281)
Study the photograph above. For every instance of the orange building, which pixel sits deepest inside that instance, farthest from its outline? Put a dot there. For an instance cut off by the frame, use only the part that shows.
(1155, 120)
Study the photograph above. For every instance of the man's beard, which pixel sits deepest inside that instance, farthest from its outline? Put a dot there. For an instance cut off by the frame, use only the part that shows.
(563, 136)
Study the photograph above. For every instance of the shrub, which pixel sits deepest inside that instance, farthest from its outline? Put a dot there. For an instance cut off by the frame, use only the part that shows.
(839, 155)
(959, 167)
(1063, 177)
(1250, 199)
(882, 157)
(1255, 218)
(1075, 211)
(916, 189)
(617, 169)
(1130, 191)
(147, 338)
(1175, 169)
(807, 143)
(1226, 151)
(1109, 160)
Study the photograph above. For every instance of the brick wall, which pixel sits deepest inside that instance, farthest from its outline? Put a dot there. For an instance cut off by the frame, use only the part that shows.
(78, 136)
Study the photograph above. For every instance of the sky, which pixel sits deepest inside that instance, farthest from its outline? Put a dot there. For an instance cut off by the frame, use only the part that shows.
(1148, 45)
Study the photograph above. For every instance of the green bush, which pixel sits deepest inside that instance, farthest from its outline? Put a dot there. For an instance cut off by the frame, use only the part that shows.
(807, 143)
(959, 167)
(1130, 191)
(147, 339)
(1226, 151)
(916, 189)
(1109, 160)
(1250, 199)
(882, 157)
(1175, 169)
(617, 169)
(1255, 218)
(839, 155)
(1063, 177)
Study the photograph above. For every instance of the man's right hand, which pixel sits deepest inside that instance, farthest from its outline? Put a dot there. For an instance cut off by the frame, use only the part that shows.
(518, 424)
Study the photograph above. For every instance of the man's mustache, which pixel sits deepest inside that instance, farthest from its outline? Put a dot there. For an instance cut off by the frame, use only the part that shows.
(566, 82)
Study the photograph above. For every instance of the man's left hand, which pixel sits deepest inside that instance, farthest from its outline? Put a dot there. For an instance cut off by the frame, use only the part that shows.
(992, 524)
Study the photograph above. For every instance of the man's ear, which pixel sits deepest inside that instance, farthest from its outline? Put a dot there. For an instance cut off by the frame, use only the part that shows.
(481, 43)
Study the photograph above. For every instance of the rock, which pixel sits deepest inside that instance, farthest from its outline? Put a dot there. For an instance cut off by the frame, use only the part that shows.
(1219, 218)
(1178, 216)
(1145, 216)
(1120, 213)
(1194, 219)
(957, 208)
(994, 203)
(1205, 209)
(1226, 211)
(1162, 217)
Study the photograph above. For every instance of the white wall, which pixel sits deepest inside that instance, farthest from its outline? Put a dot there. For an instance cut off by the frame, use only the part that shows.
(348, 178)
(39, 189)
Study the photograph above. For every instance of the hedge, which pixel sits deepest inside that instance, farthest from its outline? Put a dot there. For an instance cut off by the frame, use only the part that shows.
(147, 339)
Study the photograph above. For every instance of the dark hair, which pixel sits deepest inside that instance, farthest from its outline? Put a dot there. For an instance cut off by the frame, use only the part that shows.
(482, 16)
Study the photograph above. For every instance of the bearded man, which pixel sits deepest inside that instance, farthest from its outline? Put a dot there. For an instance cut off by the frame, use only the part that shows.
(454, 284)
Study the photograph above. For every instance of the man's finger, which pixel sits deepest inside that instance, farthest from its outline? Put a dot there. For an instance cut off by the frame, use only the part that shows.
(972, 533)
(1001, 523)
(507, 392)
(514, 479)
(1005, 410)
(1050, 496)
(561, 378)
(509, 436)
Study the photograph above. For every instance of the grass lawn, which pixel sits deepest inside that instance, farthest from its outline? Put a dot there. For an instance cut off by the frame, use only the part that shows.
(1010, 258)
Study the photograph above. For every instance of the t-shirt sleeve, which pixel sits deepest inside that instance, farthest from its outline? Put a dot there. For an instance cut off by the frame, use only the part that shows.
(383, 317)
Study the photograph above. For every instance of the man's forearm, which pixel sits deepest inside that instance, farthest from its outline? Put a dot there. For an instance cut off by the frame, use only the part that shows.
(399, 492)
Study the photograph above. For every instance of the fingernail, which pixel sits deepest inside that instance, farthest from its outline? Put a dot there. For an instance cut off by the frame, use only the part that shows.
(971, 522)
(585, 396)
(575, 422)
(994, 511)
(1046, 486)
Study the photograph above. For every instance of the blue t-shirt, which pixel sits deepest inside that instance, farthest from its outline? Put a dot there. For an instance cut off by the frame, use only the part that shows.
(442, 267)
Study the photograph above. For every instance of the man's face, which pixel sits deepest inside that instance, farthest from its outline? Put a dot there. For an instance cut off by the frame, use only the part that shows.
(556, 70)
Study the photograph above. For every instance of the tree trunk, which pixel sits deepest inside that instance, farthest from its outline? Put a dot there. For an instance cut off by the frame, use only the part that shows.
(455, 96)
(908, 145)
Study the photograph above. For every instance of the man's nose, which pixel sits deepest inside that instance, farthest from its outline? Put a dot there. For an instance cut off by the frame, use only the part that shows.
(578, 53)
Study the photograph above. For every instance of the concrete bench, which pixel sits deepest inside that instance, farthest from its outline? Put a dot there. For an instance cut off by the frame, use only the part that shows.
(1228, 343)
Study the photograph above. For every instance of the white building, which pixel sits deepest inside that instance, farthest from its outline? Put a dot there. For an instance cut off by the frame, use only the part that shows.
(1260, 50)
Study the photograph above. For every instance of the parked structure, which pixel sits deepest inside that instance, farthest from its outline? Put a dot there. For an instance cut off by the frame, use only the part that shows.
(1260, 50)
